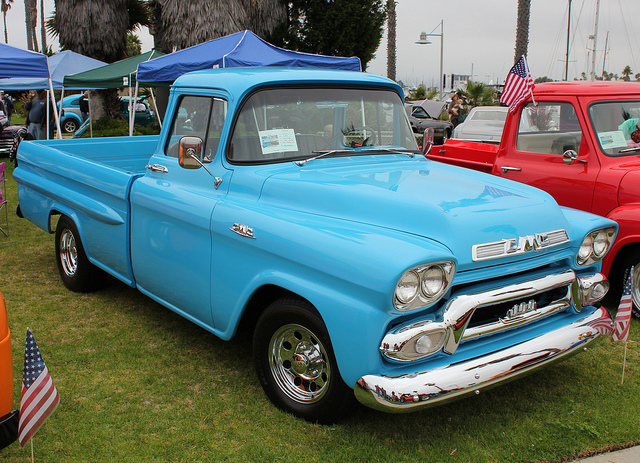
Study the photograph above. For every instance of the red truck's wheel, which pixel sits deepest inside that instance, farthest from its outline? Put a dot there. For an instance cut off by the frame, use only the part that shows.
(295, 363)
(76, 272)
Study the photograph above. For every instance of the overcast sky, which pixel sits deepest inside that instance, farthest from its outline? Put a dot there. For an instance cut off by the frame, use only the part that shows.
(479, 38)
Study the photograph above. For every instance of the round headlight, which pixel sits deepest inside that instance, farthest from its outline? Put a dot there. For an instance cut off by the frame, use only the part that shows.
(407, 287)
(586, 247)
(600, 244)
(433, 279)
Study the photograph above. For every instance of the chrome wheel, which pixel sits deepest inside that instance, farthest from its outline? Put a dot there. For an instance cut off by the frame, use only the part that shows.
(298, 363)
(635, 288)
(68, 253)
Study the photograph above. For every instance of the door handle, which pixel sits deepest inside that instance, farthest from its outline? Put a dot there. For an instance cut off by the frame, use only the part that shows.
(157, 168)
(505, 169)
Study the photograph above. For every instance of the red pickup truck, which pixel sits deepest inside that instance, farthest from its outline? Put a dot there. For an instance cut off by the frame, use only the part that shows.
(580, 142)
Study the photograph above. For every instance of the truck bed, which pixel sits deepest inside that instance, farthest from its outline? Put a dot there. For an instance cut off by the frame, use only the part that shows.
(463, 153)
(126, 154)
(90, 180)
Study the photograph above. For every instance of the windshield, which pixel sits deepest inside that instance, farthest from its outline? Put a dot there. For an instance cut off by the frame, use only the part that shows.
(616, 124)
(276, 125)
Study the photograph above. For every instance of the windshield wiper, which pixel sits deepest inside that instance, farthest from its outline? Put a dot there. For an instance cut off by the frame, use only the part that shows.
(630, 150)
(410, 153)
(321, 154)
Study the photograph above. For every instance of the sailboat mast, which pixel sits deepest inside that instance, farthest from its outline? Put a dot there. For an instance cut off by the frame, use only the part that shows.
(604, 57)
(566, 64)
(595, 42)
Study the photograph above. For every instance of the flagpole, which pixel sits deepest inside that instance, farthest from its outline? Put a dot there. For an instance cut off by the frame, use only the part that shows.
(624, 362)
(31, 440)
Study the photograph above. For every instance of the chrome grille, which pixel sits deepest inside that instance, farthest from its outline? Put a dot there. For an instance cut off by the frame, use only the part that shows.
(520, 245)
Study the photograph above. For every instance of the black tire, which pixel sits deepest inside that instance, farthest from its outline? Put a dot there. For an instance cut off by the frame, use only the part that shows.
(295, 363)
(77, 273)
(70, 126)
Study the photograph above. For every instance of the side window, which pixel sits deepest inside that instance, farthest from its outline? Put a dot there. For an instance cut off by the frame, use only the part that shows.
(549, 128)
(198, 116)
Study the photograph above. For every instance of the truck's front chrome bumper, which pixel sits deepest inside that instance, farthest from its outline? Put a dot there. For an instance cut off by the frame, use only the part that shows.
(422, 389)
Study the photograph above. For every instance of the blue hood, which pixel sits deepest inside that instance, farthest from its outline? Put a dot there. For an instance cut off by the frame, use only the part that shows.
(450, 205)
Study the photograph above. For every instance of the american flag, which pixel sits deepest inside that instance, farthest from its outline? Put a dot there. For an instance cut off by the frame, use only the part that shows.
(39, 396)
(518, 85)
(623, 317)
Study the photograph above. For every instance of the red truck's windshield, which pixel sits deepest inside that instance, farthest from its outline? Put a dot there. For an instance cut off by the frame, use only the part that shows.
(617, 126)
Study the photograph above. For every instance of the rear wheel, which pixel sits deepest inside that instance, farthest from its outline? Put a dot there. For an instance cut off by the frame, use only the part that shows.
(76, 272)
(70, 126)
(296, 365)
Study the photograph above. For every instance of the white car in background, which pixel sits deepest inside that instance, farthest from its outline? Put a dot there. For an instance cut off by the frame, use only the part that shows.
(483, 123)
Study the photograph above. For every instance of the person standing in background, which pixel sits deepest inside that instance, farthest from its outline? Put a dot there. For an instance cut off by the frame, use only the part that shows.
(37, 115)
(8, 105)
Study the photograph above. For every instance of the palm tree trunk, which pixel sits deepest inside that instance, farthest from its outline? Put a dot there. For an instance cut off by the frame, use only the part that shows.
(391, 39)
(522, 31)
(31, 18)
(43, 31)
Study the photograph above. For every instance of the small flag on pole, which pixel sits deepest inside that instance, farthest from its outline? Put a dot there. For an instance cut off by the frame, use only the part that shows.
(518, 85)
(39, 395)
(623, 317)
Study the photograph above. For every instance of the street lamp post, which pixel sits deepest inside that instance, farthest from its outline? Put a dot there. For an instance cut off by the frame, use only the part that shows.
(425, 41)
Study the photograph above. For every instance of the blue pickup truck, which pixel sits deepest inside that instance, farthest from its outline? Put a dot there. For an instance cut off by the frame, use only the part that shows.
(296, 202)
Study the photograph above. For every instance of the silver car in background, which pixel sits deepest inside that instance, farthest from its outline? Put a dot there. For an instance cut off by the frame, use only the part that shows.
(483, 123)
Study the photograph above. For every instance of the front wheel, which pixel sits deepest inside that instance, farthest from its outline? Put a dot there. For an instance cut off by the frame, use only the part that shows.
(295, 363)
(76, 272)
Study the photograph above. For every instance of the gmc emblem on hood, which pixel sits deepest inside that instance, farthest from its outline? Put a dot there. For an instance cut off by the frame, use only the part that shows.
(515, 246)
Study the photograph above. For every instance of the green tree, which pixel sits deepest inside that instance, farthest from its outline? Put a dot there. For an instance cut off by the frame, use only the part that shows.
(542, 79)
(479, 94)
(134, 45)
(334, 28)
(5, 6)
(626, 73)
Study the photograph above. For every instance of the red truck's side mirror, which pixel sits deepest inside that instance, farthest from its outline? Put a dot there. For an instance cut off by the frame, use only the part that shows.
(428, 140)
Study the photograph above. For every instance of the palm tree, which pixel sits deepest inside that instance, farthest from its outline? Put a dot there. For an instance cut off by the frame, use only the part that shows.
(210, 20)
(626, 72)
(5, 6)
(391, 39)
(98, 29)
(479, 94)
(30, 19)
(522, 31)
(43, 32)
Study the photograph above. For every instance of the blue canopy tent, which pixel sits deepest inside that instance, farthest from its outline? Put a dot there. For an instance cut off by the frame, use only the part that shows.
(236, 50)
(60, 65)
(15, 62)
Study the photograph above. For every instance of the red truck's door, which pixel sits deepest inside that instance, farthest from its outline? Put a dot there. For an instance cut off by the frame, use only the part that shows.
(536, 147)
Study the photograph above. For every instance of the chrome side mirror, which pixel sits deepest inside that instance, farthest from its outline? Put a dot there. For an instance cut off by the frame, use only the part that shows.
(428, 140)
(570, 156)
(190, 152)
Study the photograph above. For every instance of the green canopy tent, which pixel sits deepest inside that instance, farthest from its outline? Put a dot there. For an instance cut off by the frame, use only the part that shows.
(115, 75)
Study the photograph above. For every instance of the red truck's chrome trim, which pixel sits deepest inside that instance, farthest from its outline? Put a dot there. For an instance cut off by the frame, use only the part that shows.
(423, 389)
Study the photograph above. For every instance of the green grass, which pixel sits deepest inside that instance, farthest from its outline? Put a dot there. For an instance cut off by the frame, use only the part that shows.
(141, 384)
